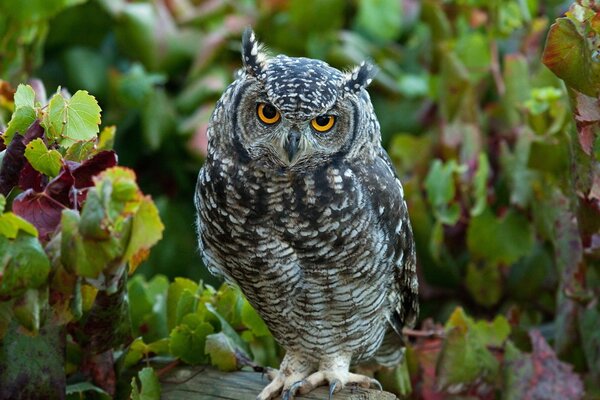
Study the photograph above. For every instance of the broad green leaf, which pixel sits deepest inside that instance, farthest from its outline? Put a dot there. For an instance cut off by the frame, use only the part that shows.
(148, 306)
(11, 224)
(81, 151)
(21, 119)
(23, 264)
(252, 320)
(106, 139)
(33, 366)
(466, 345)
(228, 303)
(463, 349)
(174, 294)
(24, 96)
(221, 351)
(439, 184)
(474, 52)
(188, 339)
(226, 328)
(150, 386)
(137, 349)
(380, 19)
(70, 120)
(46, 161)
(146, 232)
(2, 203)
(499, 240)
(396, 379)
(484, 283)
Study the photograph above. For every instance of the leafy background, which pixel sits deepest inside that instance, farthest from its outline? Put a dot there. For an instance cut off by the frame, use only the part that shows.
(498, 156)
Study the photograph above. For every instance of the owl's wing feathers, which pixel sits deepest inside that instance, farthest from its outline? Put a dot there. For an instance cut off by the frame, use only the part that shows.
(404, 294)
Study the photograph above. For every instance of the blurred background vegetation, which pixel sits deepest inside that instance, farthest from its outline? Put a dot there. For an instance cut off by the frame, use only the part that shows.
(479, 129)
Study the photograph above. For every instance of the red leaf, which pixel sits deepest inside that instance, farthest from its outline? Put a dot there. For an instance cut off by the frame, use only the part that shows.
(88, 169)
(14, 158)
(39, 209)
(541, 375)
(29, 178)
(44, 209)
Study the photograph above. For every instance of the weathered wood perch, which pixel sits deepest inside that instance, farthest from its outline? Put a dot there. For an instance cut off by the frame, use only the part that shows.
(204, 383)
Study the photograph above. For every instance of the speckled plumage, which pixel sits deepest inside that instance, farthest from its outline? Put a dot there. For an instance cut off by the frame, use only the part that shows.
(321, 243)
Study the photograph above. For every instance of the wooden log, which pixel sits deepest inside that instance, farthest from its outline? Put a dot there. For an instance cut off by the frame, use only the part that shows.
(206, 383)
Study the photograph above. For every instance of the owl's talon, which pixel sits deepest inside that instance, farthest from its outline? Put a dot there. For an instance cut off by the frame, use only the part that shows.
(290, 393)
(376, 384)
(335, 384)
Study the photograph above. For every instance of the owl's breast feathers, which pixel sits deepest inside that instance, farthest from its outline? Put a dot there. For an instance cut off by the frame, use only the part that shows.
(332, 245)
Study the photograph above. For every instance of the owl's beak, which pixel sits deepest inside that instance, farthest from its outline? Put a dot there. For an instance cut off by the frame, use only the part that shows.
(291, 146)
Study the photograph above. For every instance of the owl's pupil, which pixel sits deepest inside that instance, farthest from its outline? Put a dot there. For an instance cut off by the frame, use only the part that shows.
(322, 120)
(269, 111)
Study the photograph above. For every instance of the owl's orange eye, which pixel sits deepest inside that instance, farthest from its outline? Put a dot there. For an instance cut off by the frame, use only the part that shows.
(323, 123)
(268, 114)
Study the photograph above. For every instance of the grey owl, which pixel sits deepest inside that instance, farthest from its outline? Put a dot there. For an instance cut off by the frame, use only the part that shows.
(298, 205)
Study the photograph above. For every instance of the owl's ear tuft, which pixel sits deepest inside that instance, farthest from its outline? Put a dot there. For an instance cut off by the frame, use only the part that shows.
(360, 77)
(252, 53)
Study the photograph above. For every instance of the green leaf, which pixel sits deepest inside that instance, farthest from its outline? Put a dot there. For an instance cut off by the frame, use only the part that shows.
(146, 232)
(174, 294)
(188, 339)
(380, 19)
(439, 184)
(500, 240)
(150, 386)
(466, 345)
(226, 328)
(33, 366)
(2, 204)
(24, 96)
(21, 119)
(33, 10)
(106, 139)
(484, 283)
(148, 306)
(11, 224)
(480, 185)
(81, 151)
(24, 113)
(46, 161)
(473, 50)
(70, 120)
(221, 351)
(252, 320)
(23, 264)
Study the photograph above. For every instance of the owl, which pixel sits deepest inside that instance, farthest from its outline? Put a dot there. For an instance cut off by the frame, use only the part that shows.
(299, 206)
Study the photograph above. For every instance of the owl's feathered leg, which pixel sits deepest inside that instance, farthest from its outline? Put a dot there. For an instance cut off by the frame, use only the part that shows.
(294, 368)
(333, 372)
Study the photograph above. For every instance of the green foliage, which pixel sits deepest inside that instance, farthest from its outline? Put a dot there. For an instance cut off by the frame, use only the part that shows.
(501, 183)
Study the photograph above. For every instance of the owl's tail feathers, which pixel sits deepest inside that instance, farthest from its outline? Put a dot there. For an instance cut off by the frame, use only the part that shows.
(391, 351)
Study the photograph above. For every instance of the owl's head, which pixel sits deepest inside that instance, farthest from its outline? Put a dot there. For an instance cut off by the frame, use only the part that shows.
(293, 112)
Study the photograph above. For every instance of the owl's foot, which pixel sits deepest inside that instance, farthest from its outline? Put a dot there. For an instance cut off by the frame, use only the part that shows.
(335, 379)
(293, 369)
